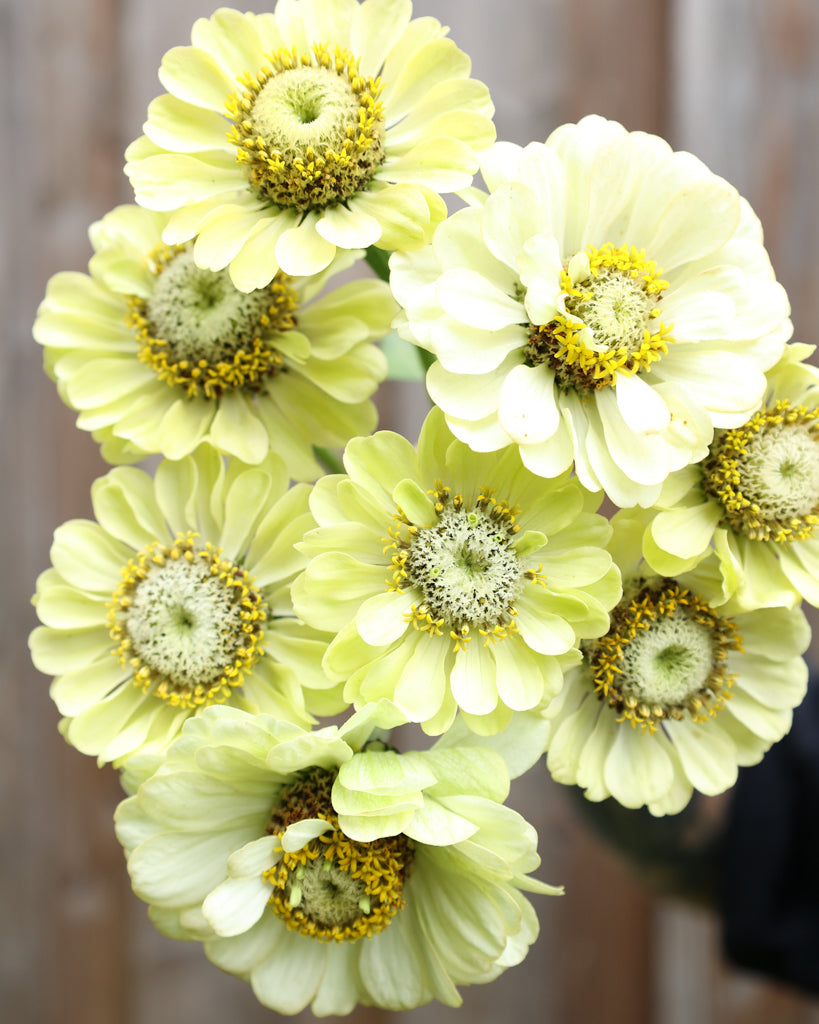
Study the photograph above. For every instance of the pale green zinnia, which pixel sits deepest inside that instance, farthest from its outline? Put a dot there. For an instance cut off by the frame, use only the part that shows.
(324, 125)
(754, 498)
(174, 598)
(681, 691)
(158, 355)
(452, 579)
(330, 871)
(607, 305)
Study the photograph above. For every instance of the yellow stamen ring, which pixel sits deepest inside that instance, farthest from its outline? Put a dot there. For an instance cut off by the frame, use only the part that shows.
(632, 618)
(215, 672)
(765, 474)
(617, 302)
(334, 888)
(308, 127)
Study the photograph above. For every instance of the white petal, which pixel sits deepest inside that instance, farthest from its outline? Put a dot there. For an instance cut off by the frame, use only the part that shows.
(528, 407)
(193, 75)
(697, 221)
(727, 385)
(300, 833)
(421, 687)
(643, 410)
(707, 754)
(473, 300)
(511, 215)
(380, 620)
(236, 905)
(473, 679)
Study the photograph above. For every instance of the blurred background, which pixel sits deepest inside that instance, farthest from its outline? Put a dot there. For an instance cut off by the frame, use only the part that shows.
(734, 81)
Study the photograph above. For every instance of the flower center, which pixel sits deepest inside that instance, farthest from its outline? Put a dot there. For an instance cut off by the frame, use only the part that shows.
(309, 128)
(766, 474)
(465, 567)
(201, 334)
(334, 888)
(187, 621)
(611, 323)
(664, 656)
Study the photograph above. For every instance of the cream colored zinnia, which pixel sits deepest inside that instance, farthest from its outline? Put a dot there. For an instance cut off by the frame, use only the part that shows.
(325, 124)
(607, 305)
(682, 690)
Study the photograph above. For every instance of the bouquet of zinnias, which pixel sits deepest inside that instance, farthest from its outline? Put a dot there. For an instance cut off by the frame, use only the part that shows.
(599, 317)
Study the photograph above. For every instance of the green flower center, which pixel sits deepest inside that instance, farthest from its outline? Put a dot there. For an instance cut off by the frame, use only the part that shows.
(201, 334)
(766, 474)
(610, 326)
(664, 656)
(334, 888)
(187, 622)
(309, 128)
(465, 567)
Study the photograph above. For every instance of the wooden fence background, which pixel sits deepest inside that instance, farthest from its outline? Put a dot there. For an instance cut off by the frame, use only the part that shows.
(734, 81)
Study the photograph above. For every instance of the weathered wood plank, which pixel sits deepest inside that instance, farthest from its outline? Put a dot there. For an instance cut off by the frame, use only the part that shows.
(745, 76)
(739, 86)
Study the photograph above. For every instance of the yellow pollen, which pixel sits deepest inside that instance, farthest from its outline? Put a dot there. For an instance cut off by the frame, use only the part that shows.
(209, 368)
(308, 127)
(334, 889)
(617, 302)
(240, 641)
(608, 657)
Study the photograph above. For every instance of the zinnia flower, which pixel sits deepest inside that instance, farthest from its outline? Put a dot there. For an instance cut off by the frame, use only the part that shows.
(754, 499)
(175, 598)
(283, 851)
(609, 304)
(452, 579)
(328, 123)
(158, 355)
(680, 692)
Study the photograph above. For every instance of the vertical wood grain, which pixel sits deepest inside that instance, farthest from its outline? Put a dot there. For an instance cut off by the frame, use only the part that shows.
(735, 82)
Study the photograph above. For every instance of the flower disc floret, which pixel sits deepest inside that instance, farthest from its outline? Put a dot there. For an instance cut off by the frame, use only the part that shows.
(334, 888)
(200, 334)
(664, 656)
(309, 128)
(610, 324)
(766, 474)
(187, 622)
(464, 566)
